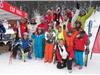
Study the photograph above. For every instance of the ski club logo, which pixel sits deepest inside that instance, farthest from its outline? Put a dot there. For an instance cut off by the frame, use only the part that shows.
(1, 4)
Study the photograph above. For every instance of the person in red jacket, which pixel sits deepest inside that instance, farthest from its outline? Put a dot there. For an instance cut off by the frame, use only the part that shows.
(80, 42)
(23, 27)
(69, 26)
(57, 17)
(43, 25)
(63, 56)
(69, 14)
(49, 17)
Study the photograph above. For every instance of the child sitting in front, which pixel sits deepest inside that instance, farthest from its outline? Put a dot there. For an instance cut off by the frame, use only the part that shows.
(21, 47)
(26, 45)
(63, 56)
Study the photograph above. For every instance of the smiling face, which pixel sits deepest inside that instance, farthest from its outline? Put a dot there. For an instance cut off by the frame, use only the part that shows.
(39, 30)
(61, 42)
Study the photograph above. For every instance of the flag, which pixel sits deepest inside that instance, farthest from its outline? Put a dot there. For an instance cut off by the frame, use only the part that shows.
(96, 47)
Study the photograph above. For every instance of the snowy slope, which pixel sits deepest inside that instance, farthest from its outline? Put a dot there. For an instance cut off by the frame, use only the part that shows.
(38, 67)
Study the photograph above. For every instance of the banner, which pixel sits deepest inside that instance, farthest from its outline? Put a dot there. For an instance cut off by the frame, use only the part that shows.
(12, 9)
(96, 47)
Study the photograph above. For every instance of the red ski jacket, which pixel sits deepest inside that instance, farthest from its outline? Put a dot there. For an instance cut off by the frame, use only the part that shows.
(58, 56)
(69, 26)
(23, 28)
(44, 26)
(81, 43)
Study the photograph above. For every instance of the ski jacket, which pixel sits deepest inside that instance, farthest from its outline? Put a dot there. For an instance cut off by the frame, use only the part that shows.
(61, 53)
(23, 28)
(59, 34)
(85, 17)
(69, 26)
(44, 26)
(50, 37)
(70, 43)
(80, 43)
(26, 43)
(38, 40)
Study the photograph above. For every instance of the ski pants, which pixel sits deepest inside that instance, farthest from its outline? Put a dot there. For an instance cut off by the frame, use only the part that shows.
(49, 52)
(66, 62)
(79, 58)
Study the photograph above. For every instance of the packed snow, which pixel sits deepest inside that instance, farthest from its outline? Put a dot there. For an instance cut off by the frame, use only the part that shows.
(37, 67)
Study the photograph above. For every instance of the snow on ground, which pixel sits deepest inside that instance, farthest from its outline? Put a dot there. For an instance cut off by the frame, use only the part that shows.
(37, 67)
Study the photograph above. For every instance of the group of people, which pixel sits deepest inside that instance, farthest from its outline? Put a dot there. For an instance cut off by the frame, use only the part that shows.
(58, 38)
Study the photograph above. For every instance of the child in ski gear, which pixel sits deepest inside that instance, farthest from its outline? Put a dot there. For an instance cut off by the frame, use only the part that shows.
(38, 43)
(49, 47)
(69, 40)
(59, 31)
(81, 42)
(63, 56)
(22, 46)
(26, 45)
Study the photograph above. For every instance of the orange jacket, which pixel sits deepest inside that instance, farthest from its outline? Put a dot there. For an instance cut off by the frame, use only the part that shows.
(70, 43)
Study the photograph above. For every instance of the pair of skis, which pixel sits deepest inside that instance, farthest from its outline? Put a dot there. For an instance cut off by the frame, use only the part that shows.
(12, 45)
(22, 54)
(87, 49)
(22, 51)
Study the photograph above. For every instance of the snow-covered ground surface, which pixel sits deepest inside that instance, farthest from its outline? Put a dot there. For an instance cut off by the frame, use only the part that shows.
(38, 67)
